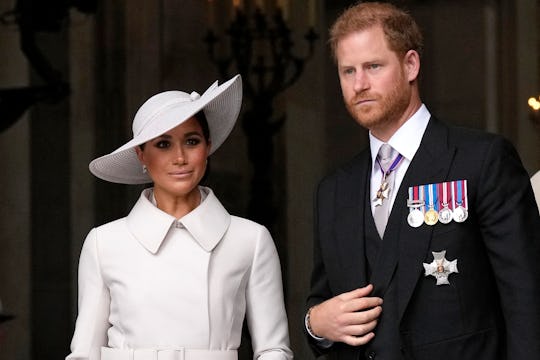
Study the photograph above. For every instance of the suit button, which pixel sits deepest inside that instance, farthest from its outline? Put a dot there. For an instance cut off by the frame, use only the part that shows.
(371, 355)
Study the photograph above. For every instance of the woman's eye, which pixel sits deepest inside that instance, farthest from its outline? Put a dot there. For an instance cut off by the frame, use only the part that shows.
(193, 141)
(162, 144)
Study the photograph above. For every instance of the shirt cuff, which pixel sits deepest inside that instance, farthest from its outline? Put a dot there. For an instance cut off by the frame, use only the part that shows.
(321, 342)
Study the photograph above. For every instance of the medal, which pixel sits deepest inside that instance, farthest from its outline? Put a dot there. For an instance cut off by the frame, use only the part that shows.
(431, 216)
(445, 214)
(416, 216)
(460, 213)
(384, 189)
(382, 193)
(440, 268)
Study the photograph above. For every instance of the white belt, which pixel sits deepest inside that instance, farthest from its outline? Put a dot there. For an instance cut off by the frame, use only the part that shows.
(177, 354)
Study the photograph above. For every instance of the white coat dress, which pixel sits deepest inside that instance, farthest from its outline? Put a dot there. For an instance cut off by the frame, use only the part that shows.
(151, 282)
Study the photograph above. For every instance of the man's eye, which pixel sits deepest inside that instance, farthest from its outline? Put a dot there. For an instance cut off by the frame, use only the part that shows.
(374, 66)
(348, 71)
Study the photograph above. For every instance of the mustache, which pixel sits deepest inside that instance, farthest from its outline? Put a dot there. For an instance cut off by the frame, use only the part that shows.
(363, 97)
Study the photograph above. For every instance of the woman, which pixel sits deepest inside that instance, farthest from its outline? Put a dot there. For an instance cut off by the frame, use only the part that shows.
(174, 279)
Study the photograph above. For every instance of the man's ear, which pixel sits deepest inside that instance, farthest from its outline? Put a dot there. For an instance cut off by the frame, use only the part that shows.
(411, 64)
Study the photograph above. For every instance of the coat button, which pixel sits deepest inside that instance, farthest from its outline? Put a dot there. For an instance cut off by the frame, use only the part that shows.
(371, 355)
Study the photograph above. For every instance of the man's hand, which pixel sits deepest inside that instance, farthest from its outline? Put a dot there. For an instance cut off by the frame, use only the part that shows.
(349, 317)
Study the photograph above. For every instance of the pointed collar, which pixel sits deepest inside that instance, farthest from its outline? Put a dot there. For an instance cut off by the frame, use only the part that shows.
(207, 223)
(406, 139)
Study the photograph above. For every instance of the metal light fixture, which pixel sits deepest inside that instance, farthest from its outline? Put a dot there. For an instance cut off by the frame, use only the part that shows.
(260, 48)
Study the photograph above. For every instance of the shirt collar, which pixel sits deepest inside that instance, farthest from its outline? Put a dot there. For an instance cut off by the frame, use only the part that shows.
(406, 140)
(150, 225)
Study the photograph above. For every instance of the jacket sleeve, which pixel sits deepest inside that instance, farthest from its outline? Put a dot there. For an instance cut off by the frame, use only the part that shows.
(266, 316)
(319, 288)
(510, 226)
(92, 321)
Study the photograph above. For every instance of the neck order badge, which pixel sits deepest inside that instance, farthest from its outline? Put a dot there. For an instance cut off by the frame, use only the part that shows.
(384, 157)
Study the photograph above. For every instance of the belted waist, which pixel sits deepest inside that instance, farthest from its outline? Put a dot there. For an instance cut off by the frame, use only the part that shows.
(176, 354)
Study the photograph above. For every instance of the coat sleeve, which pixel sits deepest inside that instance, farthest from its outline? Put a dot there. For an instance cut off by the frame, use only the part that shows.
(319, 287)
(92, 321)
(266, 316)
(510, 226)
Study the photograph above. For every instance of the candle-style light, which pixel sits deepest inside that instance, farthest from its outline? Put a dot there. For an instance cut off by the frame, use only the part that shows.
(534, 104)
(534, 110)
(283, 6)
(312, 13)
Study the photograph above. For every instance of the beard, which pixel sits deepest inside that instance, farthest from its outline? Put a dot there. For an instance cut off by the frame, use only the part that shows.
(386, 109)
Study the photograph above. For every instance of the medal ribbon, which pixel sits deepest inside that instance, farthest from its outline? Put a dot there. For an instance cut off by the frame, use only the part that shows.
(422, 197)
(413, 197)
(430, 196)
(392, 167)
(461, 190)
(433, 195)
(443, 194)
(464, 199)
(453, 196)
(441, 190)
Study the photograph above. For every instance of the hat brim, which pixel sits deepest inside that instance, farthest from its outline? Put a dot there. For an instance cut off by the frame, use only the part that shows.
(221, 105)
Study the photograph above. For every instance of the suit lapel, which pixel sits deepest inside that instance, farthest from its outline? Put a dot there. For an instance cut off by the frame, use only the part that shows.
(402, 243)
(431, 164)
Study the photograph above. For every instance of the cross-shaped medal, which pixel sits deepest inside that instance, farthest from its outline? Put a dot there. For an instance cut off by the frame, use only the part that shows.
(382, 193)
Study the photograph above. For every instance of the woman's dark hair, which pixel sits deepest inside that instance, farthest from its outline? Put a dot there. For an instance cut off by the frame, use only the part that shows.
(201, 119)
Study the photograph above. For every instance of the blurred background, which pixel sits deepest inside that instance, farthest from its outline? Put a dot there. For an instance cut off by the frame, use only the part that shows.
(74, 72)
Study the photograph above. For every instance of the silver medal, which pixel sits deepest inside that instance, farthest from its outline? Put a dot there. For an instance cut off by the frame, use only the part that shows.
(445, 215)
(460, 214)
(415, 218)
(440, 268)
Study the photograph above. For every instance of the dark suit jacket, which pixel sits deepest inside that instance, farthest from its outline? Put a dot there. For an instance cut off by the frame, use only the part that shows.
(491, 309)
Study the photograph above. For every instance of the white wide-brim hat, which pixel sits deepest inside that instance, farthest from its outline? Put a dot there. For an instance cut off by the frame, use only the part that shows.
(163, 112)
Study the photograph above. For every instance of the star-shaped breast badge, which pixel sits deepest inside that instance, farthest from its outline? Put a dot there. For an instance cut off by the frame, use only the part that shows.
(382, 194)
(440, 268)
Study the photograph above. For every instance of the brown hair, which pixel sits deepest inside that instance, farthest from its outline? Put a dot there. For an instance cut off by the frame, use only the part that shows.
(400, 29)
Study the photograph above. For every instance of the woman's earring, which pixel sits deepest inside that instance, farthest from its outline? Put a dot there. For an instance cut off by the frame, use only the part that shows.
(144, 169)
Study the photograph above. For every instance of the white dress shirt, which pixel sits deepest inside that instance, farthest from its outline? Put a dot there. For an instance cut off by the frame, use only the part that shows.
(406, 141)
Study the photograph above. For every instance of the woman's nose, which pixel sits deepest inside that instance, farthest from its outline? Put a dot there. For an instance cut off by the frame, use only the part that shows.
(180, 156)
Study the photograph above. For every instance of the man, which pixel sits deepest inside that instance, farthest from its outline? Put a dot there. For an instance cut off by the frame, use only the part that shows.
(431, 251)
